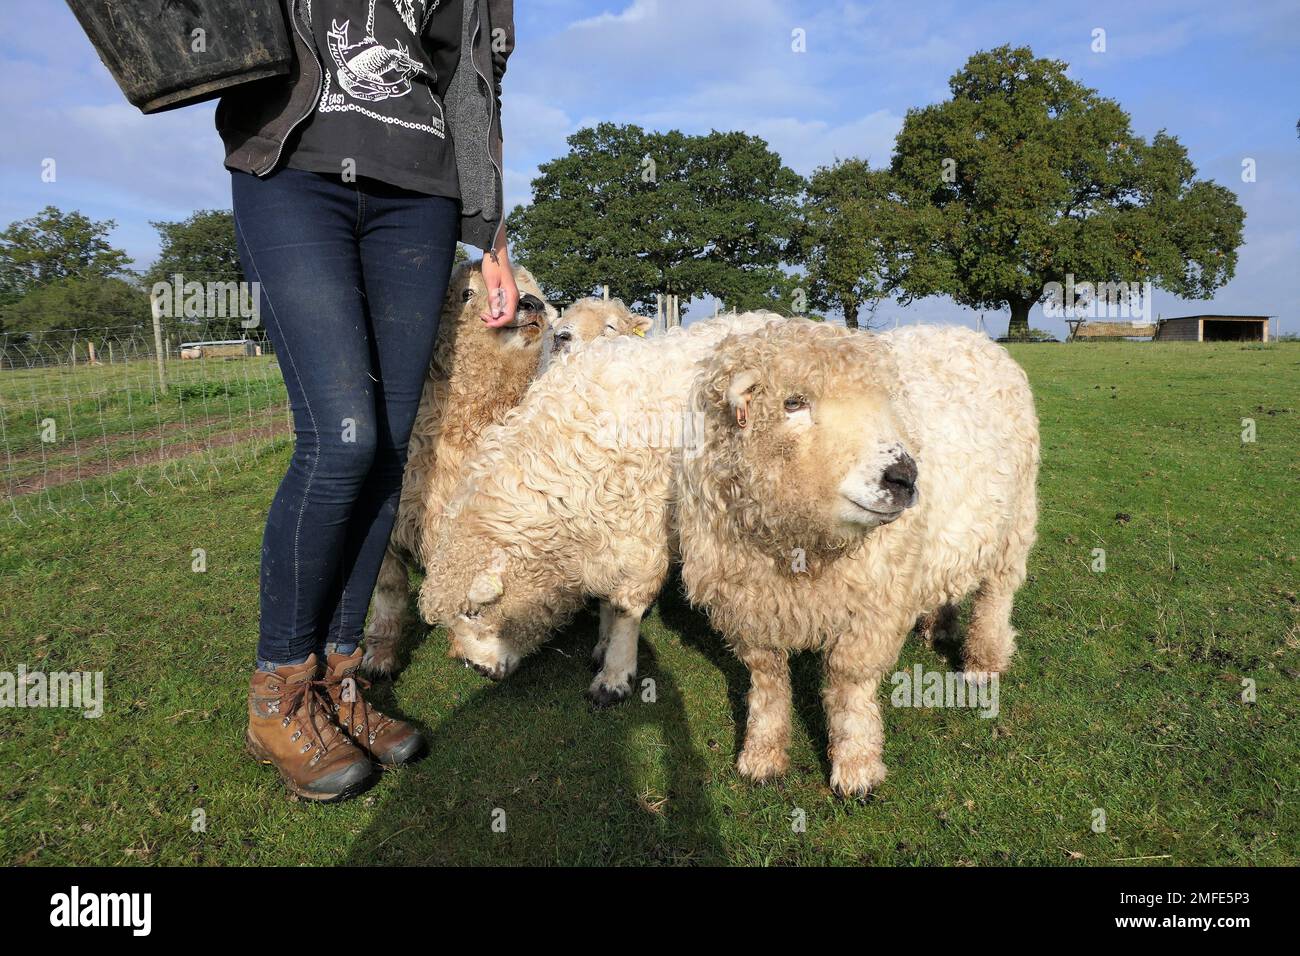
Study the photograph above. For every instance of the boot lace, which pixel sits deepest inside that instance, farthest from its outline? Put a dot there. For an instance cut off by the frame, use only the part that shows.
(312, 699)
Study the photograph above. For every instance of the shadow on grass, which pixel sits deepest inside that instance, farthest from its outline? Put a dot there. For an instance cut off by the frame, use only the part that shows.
(526, 771)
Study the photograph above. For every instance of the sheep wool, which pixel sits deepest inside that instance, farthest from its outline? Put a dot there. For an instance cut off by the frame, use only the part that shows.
(476, 375)
(570, 498)
(847, 484)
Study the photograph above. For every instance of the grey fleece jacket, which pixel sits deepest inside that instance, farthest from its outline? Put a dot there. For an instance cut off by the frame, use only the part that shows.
(255, 120)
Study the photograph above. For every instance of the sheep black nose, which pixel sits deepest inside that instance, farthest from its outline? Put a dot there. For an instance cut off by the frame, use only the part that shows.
(900, 479)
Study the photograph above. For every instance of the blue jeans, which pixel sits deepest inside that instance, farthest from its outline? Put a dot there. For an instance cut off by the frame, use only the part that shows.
(352, 280)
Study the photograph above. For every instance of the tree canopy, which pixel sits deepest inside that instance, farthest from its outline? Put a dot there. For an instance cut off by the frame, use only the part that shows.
(54, 245)
(200, 247)
(78, 302)
(648, 212)
(1026, 176)
(850, 227)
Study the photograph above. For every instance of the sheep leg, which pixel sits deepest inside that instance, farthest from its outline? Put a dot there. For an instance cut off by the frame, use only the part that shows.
(937, 626)
(767, 726)
(613, 683)
(990, 640)
(389, 612)
(853, 721)
(602, 642)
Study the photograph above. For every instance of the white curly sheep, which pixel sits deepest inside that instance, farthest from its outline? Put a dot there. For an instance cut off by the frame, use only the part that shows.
(569, 498)
(848, 483)
(826, 487)
(587, 320)
(477, 375)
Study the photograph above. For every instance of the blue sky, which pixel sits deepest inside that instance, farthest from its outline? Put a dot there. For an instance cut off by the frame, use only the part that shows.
(1222, 77)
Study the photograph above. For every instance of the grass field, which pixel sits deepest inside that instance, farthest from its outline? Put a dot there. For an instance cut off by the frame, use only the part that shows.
(62, 424)
(1126, 696)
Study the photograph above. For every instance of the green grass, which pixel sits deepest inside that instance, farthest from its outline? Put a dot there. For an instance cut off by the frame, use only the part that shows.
(1126, 694)
(108, 415)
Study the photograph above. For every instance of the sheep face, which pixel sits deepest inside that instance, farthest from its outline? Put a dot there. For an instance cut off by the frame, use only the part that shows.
(491, 628)
(467, 301)
(815, 441)
(478, 643)
(489, 636)
(589, 319)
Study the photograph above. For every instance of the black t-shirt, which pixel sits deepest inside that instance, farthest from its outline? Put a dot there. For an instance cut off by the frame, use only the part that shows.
(386, 65)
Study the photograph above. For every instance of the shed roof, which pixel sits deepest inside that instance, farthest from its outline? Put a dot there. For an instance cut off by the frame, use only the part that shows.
(1246, 318)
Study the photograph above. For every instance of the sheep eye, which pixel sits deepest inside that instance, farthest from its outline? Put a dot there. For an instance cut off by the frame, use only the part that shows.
(795, 402)
(467, 294)
(563, 336)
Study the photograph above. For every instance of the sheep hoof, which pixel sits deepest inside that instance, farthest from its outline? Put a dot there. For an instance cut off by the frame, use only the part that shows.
(855, 779)
(380, 658)
(491, 673)
(925, 629)
(604, 695)
(979, 667)
(762, 764)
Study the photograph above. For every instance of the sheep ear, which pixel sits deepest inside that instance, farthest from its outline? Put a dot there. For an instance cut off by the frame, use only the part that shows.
(739, 393)
(641, 324)
(486, 588)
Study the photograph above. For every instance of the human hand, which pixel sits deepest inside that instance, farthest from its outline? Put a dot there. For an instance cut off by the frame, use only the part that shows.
(503, 294)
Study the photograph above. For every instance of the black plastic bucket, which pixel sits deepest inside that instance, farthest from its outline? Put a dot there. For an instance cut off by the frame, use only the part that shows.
(170, 53)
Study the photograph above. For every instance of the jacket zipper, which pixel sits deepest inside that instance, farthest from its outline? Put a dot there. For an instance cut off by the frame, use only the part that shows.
(311, 47)
(492, 101)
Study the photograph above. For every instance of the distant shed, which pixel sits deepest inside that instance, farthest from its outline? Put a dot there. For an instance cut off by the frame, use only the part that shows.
(1109, 331)
(1213, 328)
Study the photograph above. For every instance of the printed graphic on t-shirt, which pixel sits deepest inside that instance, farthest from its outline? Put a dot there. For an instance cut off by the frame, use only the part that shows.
(371, 70)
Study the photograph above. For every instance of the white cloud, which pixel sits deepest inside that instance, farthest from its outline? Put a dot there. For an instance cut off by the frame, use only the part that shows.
(637, 12)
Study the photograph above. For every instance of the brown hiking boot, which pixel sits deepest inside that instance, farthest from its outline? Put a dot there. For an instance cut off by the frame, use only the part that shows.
(289, 727)
(391, 742)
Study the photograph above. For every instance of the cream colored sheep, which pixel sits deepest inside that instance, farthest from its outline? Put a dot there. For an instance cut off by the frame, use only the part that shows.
(587, 320)
(477, 374)
(848, 483)
(570, 499)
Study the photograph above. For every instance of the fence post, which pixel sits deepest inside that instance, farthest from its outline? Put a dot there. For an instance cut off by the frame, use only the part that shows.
(606, 292)
(154, 307)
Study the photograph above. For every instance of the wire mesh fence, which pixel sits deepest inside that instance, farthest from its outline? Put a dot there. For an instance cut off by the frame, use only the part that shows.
(96, 416)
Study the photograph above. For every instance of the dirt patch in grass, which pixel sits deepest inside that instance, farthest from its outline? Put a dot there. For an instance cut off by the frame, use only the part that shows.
(70, 472)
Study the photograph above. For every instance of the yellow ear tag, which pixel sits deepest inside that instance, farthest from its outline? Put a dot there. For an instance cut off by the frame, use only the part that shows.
(640, 332)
